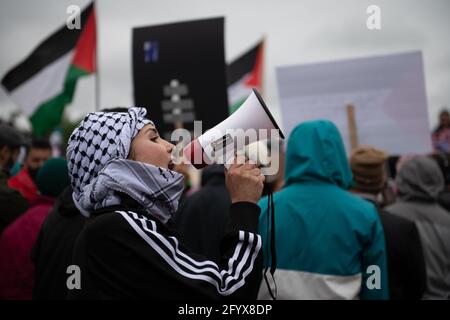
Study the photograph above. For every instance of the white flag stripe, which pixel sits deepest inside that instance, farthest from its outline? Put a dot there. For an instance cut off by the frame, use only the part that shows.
(238, 90)
(43, 86)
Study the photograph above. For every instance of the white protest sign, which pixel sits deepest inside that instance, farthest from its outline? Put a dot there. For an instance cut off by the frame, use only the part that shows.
(387, 92)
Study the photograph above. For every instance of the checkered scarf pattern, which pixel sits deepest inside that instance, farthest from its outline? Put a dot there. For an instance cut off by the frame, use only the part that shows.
(156, 189)
(98, 169)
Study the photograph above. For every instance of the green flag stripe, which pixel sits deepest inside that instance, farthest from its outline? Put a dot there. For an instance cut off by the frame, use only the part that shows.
(48, 115)
(232, 108)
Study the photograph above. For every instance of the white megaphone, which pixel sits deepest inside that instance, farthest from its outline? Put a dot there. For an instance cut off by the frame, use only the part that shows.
(250, 123)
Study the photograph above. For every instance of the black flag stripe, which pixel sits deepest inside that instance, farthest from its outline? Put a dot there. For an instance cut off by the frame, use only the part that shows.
(54, 47)
(242, 65)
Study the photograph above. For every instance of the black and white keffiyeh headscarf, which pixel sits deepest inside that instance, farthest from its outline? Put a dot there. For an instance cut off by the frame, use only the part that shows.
(99, 169)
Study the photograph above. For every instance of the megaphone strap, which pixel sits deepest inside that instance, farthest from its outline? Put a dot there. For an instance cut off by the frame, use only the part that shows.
(272, 258)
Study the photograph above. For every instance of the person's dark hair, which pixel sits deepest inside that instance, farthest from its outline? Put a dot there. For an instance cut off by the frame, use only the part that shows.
(39, 143)
(11, 137)
(391, 166)
(443, 161)
(444, 112)
(440, 126)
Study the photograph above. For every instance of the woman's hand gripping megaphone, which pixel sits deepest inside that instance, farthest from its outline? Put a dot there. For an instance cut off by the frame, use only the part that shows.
(244, 181)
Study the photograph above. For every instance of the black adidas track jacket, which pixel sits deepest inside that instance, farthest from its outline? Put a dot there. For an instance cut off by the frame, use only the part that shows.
(127, 254)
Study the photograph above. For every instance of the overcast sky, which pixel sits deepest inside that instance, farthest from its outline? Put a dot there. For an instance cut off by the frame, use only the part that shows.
(297, 32)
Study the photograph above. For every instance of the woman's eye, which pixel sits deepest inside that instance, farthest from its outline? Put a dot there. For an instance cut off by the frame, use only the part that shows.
(154, 139)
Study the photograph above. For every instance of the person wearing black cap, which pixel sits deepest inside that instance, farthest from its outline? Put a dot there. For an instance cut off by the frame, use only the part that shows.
(12, 203)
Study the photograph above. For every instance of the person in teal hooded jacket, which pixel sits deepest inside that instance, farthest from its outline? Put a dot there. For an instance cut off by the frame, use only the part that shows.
(329, 243)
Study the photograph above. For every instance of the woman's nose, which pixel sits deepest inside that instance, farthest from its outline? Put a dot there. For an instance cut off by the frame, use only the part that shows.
(170, 147)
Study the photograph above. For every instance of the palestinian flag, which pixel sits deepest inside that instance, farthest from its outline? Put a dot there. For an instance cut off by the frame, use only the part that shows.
(44, 83)
(243, 74)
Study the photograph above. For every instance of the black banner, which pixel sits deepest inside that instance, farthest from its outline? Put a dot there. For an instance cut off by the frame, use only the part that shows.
(179, 74)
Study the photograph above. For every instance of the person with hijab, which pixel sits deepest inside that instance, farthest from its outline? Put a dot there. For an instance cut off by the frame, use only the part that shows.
(122, 180)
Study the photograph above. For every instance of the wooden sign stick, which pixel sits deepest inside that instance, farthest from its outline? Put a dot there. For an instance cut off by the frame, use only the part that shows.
(352, 129)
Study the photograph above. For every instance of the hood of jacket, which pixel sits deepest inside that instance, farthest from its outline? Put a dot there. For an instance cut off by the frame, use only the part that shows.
(420, 179)
(315, 152)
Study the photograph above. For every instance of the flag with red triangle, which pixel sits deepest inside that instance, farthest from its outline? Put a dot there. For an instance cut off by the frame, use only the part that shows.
(44, 83)
(243, 74)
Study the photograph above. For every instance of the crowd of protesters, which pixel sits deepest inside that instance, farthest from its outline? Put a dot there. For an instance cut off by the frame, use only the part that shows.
(346, 227)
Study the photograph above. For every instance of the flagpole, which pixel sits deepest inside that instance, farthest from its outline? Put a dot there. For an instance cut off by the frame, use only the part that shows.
(97, 64)
(263, 49)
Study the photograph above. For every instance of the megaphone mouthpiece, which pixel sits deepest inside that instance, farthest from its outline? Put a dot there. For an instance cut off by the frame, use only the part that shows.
(193, 150)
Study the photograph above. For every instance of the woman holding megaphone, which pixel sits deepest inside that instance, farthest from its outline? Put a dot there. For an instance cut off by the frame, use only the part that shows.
(121, 176)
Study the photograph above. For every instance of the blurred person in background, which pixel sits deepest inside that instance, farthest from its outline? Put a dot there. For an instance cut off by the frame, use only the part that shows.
(52, 251)
(370, 175)
(17, 240)
(38, 152)
(12, 203)
(419, 182)
(404, 249)
(326, 237)
(441, 135)
(443, 161)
